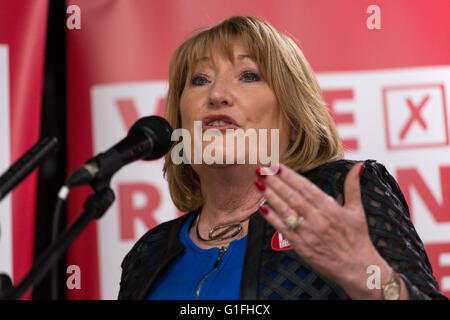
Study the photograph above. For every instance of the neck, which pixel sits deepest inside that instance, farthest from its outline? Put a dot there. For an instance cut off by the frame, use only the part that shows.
(229, 194)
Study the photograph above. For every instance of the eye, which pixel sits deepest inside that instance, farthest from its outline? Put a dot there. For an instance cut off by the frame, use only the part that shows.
(199, 80)
(249, 76)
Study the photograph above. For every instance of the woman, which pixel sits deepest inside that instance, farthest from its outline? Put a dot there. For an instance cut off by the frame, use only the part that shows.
(310, 228)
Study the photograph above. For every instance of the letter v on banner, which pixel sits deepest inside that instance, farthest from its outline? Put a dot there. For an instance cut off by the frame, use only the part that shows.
(129, 114)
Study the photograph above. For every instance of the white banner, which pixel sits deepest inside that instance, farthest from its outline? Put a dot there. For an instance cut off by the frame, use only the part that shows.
(5, 205)
(142, 195)
(400, 118)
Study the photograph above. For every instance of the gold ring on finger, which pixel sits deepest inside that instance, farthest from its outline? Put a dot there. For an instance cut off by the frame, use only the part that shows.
(293, 221)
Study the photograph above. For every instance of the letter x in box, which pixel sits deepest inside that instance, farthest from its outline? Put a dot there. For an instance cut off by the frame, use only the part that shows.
(415, 116)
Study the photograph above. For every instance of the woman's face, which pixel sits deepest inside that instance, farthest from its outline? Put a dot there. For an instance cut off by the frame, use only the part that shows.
(224, 96)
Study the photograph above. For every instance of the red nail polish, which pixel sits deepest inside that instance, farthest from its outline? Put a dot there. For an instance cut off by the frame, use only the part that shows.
(276, 167)
(361, 169)
(264, 210)
(260, 173)
(279, 170)
(261, 186)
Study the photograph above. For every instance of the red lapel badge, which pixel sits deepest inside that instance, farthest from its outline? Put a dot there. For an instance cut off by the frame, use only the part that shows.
(279, 243)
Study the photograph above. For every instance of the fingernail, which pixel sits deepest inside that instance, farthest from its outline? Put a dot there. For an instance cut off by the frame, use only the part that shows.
(261, 186)
(361, 169)
(264, 210)
(260, 173)
(276, 168)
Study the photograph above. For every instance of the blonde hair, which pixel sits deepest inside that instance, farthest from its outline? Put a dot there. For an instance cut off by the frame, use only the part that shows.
(287, 73)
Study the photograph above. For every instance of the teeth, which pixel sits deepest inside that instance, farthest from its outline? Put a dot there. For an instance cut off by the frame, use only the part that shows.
(218, 123)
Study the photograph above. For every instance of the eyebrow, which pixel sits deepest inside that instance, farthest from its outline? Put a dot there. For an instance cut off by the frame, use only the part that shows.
(239, 57)
(243, 56)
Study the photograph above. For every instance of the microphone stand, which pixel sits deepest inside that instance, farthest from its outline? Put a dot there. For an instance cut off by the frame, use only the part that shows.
(94, 208)
(26, 164)
(19, 171)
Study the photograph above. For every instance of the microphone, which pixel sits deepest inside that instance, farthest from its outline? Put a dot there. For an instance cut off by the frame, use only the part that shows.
(149, 138)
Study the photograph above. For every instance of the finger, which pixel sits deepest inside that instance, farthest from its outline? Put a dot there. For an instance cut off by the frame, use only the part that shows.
(309, 190)
(279, 205)
(352, 190)
(300, 184)
(288, 195)
(275, 220)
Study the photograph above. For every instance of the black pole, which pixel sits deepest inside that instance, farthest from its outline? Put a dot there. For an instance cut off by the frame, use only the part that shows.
(5, 283)
(94, 208)
(53, 171)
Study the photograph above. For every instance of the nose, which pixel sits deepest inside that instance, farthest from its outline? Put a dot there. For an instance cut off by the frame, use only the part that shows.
(220, 93)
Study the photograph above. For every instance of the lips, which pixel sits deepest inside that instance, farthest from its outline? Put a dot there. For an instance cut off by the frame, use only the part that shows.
(219, 121)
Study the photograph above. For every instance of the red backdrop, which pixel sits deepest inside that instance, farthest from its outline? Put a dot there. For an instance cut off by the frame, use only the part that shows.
(130, 42)
(23, 26)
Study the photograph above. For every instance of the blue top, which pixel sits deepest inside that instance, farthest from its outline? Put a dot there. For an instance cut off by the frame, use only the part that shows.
(194, 272)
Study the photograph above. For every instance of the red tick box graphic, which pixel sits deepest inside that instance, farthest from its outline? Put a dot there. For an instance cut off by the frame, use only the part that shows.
(415, 116)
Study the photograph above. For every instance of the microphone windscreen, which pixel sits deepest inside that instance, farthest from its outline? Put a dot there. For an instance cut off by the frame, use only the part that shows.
(159, 130)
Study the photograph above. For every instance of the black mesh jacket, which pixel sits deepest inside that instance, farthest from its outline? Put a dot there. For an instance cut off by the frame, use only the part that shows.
(269, 274)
